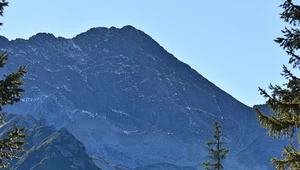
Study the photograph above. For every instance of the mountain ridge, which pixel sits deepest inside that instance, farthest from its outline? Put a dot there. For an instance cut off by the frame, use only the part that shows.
(129, 100)
(99, 30)
(45, 140)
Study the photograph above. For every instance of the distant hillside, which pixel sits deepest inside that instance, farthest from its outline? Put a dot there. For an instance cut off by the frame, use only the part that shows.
(47, 148)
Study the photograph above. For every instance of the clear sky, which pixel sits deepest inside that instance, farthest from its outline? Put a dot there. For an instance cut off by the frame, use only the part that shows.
(228, 42)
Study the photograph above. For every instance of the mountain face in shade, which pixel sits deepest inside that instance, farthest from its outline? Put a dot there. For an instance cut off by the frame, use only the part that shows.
(131, 102)
(47, 147)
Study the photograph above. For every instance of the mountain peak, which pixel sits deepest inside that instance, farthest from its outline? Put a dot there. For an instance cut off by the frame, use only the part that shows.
(129, 100)
(127, 39)
(42, 36)
(128, 27)
(110, 31)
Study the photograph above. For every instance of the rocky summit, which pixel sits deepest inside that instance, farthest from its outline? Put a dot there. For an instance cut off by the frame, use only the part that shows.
(131, 102)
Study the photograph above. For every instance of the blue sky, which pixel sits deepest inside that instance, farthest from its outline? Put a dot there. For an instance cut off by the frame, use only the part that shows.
(228, 42)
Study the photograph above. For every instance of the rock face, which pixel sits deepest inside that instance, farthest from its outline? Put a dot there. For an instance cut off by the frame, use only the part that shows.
(130, 101)
(47, 147)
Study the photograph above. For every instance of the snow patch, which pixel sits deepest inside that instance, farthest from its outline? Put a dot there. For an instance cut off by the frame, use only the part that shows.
(120, 112)
(89, 114)
(129, 131)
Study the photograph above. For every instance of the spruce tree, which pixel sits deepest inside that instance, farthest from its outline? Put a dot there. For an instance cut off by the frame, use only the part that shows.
(285, 100)
(215, 150)
(10, 92)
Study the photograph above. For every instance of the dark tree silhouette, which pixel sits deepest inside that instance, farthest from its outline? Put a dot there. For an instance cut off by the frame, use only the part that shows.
(215, 150)
(10, 92)
(285, 100)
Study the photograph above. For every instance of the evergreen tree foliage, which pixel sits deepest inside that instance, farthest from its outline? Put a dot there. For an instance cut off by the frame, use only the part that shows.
(285, 100)
(3, 4)
(215, 150)
(10, 92)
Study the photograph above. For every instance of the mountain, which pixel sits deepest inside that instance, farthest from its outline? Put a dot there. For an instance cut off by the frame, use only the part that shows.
(131, 102)
(47, 147)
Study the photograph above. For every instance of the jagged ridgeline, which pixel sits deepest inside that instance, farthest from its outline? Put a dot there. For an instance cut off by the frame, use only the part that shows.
(131, 102)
